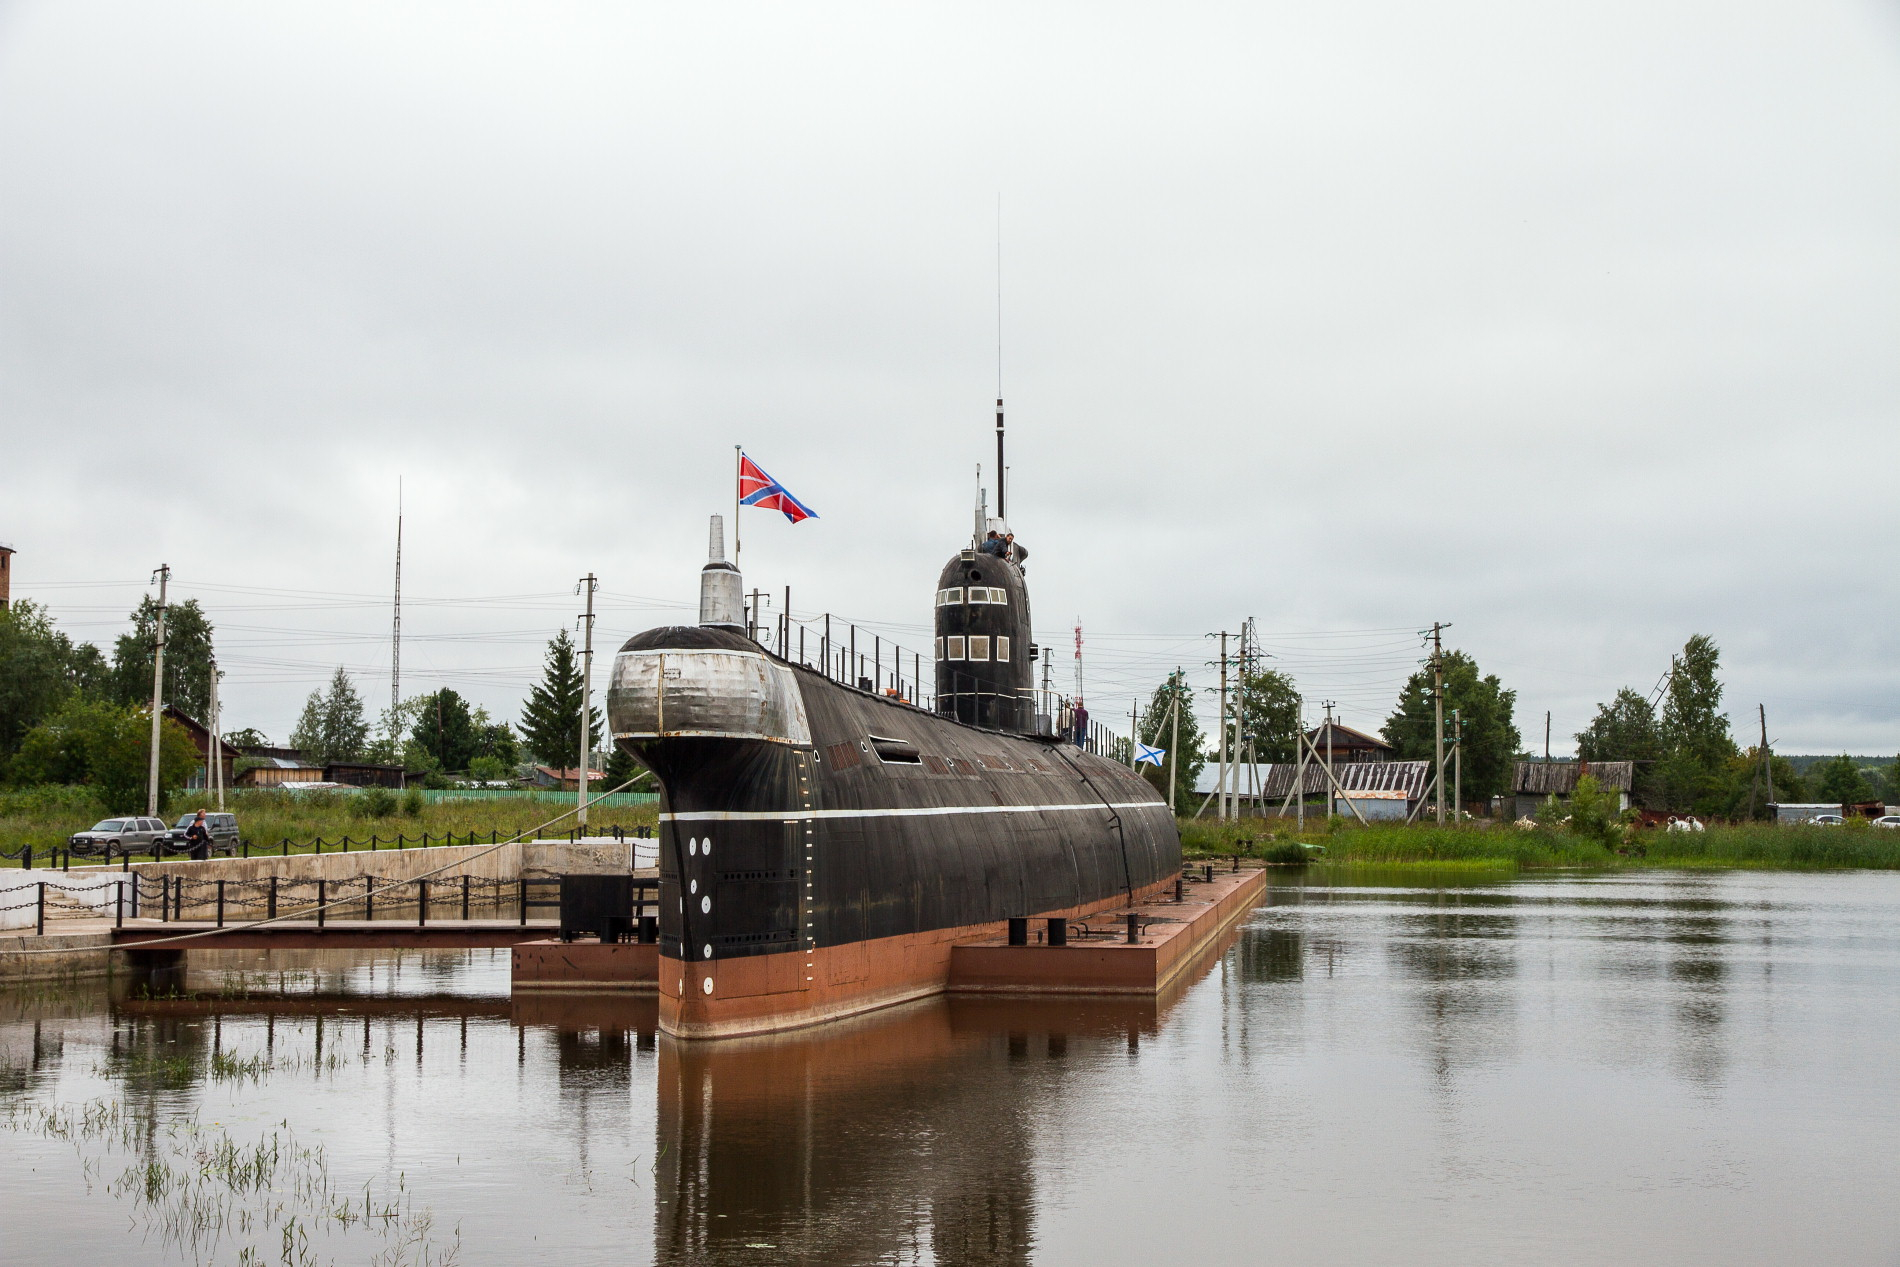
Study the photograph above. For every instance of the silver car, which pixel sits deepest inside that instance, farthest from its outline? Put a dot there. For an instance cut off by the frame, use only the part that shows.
(116, 835)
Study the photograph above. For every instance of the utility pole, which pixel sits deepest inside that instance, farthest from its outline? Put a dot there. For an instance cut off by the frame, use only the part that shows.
(1767, 764)
(1174, 743)
(215, 770)
(1438, 720)
(1134, 732)
(752, 619)
(1546, 736)
(587, 585)
(1329, 739)
(164, 575)
(1222, 772)
(1458, 762)
(1299, 770)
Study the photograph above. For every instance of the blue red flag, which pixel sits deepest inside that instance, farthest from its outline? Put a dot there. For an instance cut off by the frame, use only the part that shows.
(756, 488)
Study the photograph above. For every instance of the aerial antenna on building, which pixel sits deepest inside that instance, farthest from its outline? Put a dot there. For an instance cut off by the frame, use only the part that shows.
(395, 629)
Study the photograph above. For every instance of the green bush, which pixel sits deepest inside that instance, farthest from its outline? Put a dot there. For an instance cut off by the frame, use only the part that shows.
(375, 802)
(412, 802)
(1287, 852)
(1594, 813)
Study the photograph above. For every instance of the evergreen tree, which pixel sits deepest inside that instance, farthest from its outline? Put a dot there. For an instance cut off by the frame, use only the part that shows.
(551, 718)
(445, 732)
(332, 726)
(307, 735)
(1172, 700)
(188, 658)
(1269, 713)
(1491, 736)
(621, 767)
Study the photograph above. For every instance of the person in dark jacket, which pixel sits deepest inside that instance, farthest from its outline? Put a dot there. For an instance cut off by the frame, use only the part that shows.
(994, 544)
(198, 838)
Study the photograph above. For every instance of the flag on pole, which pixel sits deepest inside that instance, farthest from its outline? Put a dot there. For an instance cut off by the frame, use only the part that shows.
(1144, 755)
(756, 488)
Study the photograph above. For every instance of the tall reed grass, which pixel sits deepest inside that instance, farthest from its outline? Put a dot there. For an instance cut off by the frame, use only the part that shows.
(1757, 845)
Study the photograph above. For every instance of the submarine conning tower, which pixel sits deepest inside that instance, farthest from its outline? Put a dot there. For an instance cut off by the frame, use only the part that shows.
(984, 671)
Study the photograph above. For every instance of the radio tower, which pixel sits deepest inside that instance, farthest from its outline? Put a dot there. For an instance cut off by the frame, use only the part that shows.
(1078, 662)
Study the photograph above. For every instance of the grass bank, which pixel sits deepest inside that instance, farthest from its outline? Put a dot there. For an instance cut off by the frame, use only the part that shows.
(1758, 845)
(45, 817)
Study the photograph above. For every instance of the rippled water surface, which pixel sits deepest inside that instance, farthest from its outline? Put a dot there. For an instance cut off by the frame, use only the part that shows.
(1602, 1069)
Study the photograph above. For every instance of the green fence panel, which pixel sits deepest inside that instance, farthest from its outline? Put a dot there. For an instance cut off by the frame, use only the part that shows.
(547, 795)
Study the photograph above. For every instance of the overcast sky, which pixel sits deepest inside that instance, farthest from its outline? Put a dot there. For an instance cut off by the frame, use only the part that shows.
(1572, 326)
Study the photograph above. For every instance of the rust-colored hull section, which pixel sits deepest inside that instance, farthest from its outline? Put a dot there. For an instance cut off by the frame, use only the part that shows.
(761, 994)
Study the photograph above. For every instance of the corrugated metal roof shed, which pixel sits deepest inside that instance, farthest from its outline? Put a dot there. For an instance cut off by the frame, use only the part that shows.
(1559, 778)
(1276, 780)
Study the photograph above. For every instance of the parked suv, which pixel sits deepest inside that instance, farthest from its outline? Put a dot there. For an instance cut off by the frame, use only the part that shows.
(223, 829)
(117, 835)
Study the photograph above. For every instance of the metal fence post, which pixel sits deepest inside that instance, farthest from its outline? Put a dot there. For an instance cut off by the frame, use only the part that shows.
(464, 899)
(321, 905)
(220, 904)
(523, 891)
(422, 903)
(270, 905)
(39, 911)
(369, 897)
(118, 915)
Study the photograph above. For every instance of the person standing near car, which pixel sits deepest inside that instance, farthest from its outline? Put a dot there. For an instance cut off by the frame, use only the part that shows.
(198, 838)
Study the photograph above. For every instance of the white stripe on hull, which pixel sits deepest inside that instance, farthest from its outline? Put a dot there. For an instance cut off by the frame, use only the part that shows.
(798, 815)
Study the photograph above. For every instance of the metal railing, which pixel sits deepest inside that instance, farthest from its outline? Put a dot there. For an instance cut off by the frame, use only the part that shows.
(60, 857)
(171, 899)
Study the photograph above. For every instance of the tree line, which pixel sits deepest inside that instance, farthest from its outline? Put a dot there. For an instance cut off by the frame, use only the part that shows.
(69, 714)
(1685, 758)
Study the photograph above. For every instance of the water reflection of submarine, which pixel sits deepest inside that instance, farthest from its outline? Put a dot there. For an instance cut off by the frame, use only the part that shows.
(873, 1139)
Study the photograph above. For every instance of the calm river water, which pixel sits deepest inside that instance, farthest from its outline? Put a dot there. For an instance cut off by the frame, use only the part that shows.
(1639, 1068)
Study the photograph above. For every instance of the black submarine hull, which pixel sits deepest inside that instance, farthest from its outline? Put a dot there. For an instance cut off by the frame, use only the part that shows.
(822, 847)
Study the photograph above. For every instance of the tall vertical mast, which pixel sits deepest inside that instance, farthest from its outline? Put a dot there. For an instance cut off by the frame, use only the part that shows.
(395, 629)
(588, 584)
(164, 575)
(1002, 481)
(1002, 476)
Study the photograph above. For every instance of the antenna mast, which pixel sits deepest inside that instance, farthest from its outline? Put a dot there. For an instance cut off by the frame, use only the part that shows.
(395, 630)
(1002, 471)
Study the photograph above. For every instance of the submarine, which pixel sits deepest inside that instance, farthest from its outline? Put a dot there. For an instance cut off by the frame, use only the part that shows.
(823, 846)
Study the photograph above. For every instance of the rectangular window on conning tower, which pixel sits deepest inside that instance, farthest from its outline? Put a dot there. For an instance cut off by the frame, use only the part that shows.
(979, 648)
(1002, 647)
(940, 648)
(955, 650)
(950, 597)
